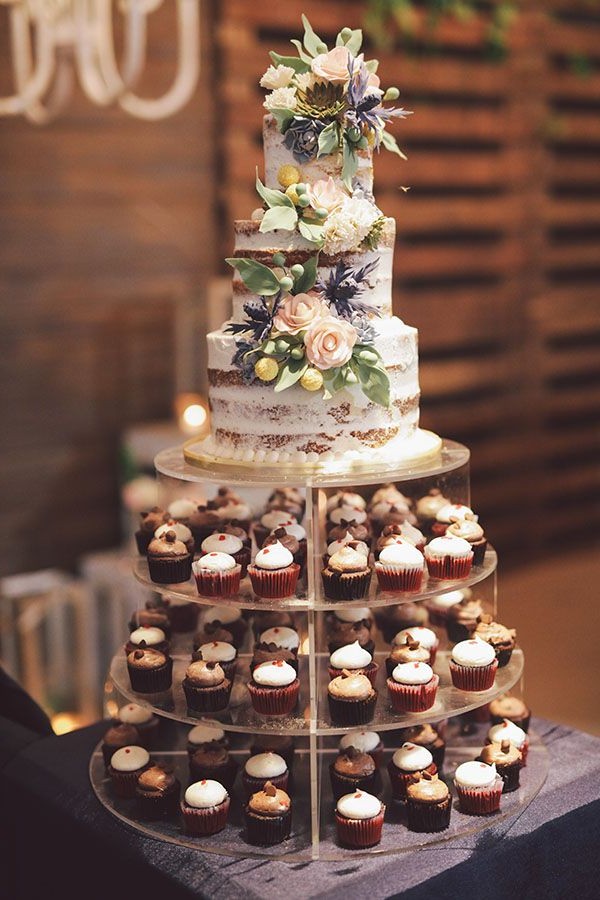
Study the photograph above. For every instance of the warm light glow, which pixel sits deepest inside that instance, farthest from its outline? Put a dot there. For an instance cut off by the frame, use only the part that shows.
(64, 722)
(112, 708)
(305, 646)
(194, 416)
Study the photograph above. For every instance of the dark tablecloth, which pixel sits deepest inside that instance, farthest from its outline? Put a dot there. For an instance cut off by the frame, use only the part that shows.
(58, 841)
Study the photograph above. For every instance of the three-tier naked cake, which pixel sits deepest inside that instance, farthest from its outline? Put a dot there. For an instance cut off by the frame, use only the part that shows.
(313, 368)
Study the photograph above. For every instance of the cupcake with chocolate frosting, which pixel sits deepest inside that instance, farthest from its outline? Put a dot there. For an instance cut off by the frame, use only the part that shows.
(344, 515)
(262, 767)
(352, 770)
(268, 816)
(352, 699)
(289, 499)
(149, 522)
(151, 617)
(470, 530)
(408, 760)
(157, 792)
(117, 736)
(277, 643)
(358, 531)
(499, 637)
(205, 808)
(203, 520)
(221, 619)
(182, 532)
(274, 574)
(274, 688)
(512, 708)
(169, 560)
(359, 820)
(392, 619)
(347, 575)
(150, 671)
(507, 730)
(147, 637)
(205, 687)
(220, 652)
(449, 513)
(270, 520)
(428, 804)
(425, 636)
(353, 658)
(213, 761)
(508, 761)
(462, 618)
(365, 741)
(409, 652)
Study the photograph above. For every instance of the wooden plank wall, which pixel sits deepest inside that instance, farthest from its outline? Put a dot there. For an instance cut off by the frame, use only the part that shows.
(105, 233)
(497, 254)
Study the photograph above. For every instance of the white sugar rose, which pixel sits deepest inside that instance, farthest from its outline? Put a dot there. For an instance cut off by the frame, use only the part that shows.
(332, 66)
(281, 98)
(346, 227)
(277, 77)
(325, 194)
(297, 312)
(329, 342)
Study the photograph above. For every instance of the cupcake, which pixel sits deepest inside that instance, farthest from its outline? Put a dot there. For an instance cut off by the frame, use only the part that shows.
(182, 613)
(440, 605)
(268, 816)
(408, 760)
(150, 671)
(157, 792)
(346, 541)
(341, 632)
(392, 619)
(270, 618)
(228, 618)
(183, 509)
(344, 515)
(351, 699)
(358, 532)
(346, 498)
(201, 735)
(218, 652)
(117, 736)
(412, 687)
(449, 557)
(508, 761)
(462, 619)
(291, 543)
(274, 574)
(151, 617)
(274, 688)
(473, 666)
(204, 808)
(212, 761)
(479, 788)
(269, 521)
(282, 744)
(425, 636)
(359, 820)
(352, 770)
(238, 532)
(222, 542)
(182, 533)
(507, 730)
(429, 737)
(145, 722)
(234, 510)
(409, 652)
(217, 575)
(347, 575)
(511, 708)
(470, 530)
(203, 521)
(355, 659)
(449, 513)
(428, 804)
(428, 507)
(349, 614)
(365, 741)
(397, 514)
(149, 522)
(289, 499)
(400, 567)
(393, 534)
(263, 767)
(499, 637)
(205, 687)
(147, 637)
(297, 531)
(169, 560)
(277, 643)
(126, 765)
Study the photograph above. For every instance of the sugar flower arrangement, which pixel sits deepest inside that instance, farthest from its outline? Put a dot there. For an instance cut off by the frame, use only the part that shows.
(305, 331)
(330, 101)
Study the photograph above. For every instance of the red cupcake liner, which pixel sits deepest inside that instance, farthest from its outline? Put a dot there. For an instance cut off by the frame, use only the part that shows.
(270, 701)
(252, 785)
(157, 806)
(399, 579)
(473, 678)
(482, 801)
(370, 671)
(450, 568)
(412, 697)
(400, 780)
(218, 584)
(204, 822)
(274, 584)
(170, 571)
(359, 833)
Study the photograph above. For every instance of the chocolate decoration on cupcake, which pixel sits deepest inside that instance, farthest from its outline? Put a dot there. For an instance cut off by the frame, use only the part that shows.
(352, 770)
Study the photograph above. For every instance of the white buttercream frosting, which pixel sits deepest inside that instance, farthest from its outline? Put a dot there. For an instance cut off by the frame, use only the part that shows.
(352, 656)
(134, 714)
(265, 765)
(425, 636)
(221, 543)
(274, 518)
(412, 757)
(507, 731)
(205, 794)
(182, 532)
(215, 562)
(239, 511)
(275, 556)
(448, 545)
(223, 614)
(401, 555)
(152, 636)
(473, 653)
(129, 759)
(281, 636)
(295, 529)
(346, 498)
(182, 508)
(274, 674)
(447, 601)
(453, 511)
(353, 614)
(217, 651)
(204, 734)
(475, 775)
(336, 546)
(412, 673)
(359, 805)
(365, 741)
(411, 534)
(348, 514)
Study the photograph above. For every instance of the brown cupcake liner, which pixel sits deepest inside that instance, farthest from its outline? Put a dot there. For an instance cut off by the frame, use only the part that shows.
(170, 571)
(352, 712)
(503, 656)
(400, 780)
(225, 774)
(142, 540)
(482, 801)
(450, 568)
(274, 701)
(252, 785)
(218, 584)
(151, 681)
(149, 733)
(370, 671)
(510, 776)
(124, 783)
(412, 697)
(275, 584)
(207, 700)
(358, 834)
(243, 558)
(427, 818)
(399, 579)
(473, 678)
(158, 806)
(183, 617)
(347, 784)
(260, 533)
(204, 822)
(346, 585)
(479, 549)
(266, 830)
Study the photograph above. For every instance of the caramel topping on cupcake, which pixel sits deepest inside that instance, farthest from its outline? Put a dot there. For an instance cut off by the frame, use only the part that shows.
(502, 754)
(350, 686)
(494, 632)
(167, 545)
(271, 801)
(348, 560)
(427, 788)
(409, 652)
(353, 762)
(204, 674)
(146, 658)
(156, 779)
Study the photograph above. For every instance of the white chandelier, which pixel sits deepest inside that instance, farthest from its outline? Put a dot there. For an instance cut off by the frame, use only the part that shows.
(52, 40)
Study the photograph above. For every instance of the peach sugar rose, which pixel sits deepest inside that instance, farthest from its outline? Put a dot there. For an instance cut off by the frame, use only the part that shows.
(332, 66)
(297, 312)
(325, 194)
(329, 342)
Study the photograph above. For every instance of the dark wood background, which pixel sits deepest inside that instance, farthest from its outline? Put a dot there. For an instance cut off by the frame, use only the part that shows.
(111, 226)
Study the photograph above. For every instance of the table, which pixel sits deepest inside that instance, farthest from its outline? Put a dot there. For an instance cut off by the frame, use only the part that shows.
(56, 834)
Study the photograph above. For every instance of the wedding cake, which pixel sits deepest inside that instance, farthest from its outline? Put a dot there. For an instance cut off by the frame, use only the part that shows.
(313, 368)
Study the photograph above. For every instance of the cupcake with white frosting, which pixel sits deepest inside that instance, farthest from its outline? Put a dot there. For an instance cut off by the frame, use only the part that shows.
(391, 534)
(508, 731)
(274, 688)
(147, 637)
(269, 521)
(263, 767)
(470, 530)
(400, 567)
(224, 542)
(126, 765)
(428, 507)
(216, 621)
(426, 637)
(473, 665)
(343, 515)
(274, 574)
(279, 642)
(359, 820)
(449, 513)
(440, 605)
(353, 658)
(479, 788)
(449, 557)
(217, 574)
(205, 807)
(408, 760)
(144, 720)
(220, 652)
(412, 687)
(365, 741)
(352, 770)
(205, 733)
(345, 541)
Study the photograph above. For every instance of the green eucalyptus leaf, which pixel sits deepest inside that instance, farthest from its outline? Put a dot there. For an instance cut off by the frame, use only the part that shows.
(290, 373)
(350, 164)
(259, 278)
(329, 139)
(283, 117)
(279, 217)
(312, 232)
(298, 65)
(372, 65)
(354, 42)
(390, 143)
(306, 281)
(375, 384)
(312, 41)
(268, 348)
(272, 197)
(303, 56)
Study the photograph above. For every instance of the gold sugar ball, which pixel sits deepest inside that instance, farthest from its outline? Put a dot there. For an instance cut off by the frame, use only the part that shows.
(266, 369)
(312, 380)
(288, 175)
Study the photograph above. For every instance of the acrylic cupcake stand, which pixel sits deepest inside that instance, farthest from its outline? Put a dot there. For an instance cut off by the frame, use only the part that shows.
(316, 738)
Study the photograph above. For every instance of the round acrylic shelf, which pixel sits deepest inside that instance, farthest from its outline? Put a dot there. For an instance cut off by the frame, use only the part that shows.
(313, 719)
(246, 599)
(313, 829)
